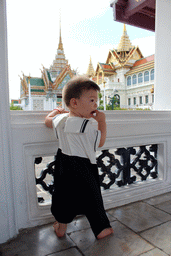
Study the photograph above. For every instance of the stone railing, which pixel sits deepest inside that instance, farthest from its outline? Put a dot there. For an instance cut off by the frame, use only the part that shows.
(134, 163)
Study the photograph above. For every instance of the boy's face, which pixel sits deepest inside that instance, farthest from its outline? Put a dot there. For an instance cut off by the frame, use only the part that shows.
(87, 103)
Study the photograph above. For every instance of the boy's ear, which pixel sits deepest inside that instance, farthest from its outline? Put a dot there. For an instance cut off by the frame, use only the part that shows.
(73, 103)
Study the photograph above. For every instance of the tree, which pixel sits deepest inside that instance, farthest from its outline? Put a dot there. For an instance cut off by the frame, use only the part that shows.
(12, 107)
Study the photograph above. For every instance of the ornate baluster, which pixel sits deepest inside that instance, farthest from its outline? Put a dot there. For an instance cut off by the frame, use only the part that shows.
(144, 164)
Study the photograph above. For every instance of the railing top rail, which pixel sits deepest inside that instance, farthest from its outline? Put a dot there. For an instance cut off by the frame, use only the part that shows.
(26, 117)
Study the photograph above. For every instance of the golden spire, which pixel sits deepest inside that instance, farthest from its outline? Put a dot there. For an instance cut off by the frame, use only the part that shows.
(90, 70)
(60, 45)
(125, 43)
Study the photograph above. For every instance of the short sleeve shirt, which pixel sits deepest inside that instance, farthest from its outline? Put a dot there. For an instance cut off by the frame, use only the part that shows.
(77, 136)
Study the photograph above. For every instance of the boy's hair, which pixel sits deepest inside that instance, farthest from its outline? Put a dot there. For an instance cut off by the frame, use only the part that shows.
(75, 87)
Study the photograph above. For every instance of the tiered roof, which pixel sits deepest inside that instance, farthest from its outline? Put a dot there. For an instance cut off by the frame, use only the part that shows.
(108, 69)
(59, 62)
(53, 78)
(124, 56)
(125, 43)
(90, 70)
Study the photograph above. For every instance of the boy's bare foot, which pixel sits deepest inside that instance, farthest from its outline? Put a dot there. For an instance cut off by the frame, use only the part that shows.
(59, 229)
(105, 232)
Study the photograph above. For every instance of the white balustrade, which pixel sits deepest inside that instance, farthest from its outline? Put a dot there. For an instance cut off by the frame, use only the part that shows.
(31, 138)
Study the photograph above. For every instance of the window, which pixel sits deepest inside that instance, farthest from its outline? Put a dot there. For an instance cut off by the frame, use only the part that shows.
(146, 99)
(134, 100)
(134, 79)
(59, 100)
(141, 100)
(140, 78)
(118, 80)
(152, 74)
(146, 76)
(129, 80)
(129, 101)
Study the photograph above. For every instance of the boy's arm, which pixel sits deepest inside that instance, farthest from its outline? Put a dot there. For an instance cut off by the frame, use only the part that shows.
(101, 119)
(50, 116)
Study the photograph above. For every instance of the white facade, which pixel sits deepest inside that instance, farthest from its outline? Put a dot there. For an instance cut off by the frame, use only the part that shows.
(38, 103)
(23, 136)
(134, 91)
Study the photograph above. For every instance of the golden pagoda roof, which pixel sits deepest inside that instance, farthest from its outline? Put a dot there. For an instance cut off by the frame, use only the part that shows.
(90, 70)
(125, 43)
(59, 62)
(60, 45)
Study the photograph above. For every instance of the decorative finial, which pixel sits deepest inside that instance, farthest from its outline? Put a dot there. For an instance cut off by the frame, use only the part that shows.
(124, 28)
(60, 46)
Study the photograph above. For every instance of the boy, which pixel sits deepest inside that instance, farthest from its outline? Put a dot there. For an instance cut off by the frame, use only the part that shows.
(76, 181)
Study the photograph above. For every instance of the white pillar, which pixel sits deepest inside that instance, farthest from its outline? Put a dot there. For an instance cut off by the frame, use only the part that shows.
(7, 209)
(162, 89)
(104, 96)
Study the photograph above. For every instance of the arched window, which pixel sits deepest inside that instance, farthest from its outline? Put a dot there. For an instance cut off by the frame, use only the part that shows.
(140, 78)
(146, 76)
(152, 74)
(134, 79)
(129, 80)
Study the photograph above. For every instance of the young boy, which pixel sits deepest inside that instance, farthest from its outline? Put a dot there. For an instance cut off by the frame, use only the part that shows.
(77, 189)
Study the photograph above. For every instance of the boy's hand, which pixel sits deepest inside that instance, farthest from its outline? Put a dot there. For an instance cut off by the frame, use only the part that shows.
(101, 119)
(48, 119)
(60, 110)
(99, 116)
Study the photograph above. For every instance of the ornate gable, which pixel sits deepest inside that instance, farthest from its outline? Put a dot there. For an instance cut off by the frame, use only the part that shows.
(126, 54)
(63, 78)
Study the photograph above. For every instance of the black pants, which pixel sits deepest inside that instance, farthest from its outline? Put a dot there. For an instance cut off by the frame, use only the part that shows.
(77, 191)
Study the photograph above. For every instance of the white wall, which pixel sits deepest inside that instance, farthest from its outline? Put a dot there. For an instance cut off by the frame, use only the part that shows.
(162, 90)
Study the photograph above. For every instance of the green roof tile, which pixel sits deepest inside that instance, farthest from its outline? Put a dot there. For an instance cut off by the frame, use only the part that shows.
(37, 90)
(36, 81)
(49, 76)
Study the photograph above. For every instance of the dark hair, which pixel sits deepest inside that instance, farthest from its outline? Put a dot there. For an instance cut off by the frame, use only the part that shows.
(75, 87)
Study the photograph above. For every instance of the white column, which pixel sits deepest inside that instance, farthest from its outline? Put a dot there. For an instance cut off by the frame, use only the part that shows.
(162, 88)
(104, 95)
(7, 209)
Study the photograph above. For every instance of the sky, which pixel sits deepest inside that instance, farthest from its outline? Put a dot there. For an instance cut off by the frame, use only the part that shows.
(87, 29)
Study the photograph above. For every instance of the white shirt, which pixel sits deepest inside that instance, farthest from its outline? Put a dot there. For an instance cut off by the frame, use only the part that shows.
(77, 136)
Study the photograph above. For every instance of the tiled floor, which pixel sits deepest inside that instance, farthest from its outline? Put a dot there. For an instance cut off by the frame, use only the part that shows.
(140, 229)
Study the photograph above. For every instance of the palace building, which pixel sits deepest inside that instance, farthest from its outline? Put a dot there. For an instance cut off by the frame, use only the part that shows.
(127, 78)
(45, 93)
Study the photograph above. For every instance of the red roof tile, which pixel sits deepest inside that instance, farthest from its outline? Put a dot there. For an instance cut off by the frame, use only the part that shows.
(106, 67)
(144, 60)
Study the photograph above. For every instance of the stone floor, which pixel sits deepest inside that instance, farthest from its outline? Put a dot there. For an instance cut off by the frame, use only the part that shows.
(141, 228)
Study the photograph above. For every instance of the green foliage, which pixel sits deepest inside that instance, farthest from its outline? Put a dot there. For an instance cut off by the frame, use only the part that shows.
(139, 109)
(109, 107)
(100, 108)
(100, 95)
(12, 107)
